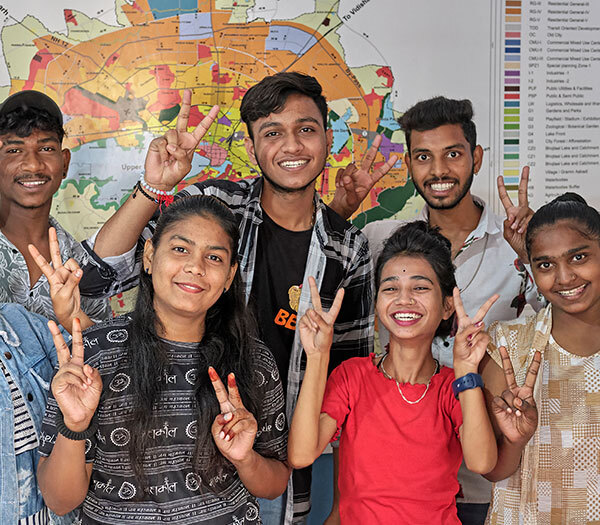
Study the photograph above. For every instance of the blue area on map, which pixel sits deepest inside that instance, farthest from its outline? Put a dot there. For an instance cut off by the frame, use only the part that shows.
(169, 8)
(387, 119)
(341, 132)
(195, 26)
(282, 38)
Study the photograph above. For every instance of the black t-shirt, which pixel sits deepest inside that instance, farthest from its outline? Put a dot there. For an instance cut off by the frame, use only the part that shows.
(278, 273)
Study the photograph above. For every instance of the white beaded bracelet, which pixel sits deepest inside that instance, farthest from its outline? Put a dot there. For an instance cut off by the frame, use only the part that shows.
(147, 186)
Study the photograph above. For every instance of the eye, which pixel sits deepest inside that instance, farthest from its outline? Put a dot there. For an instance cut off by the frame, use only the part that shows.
(13, 150)
(578, 257)
(49, 148)
(422, 157)
(215, 258)
(453, 154)
(271, 134)
(306, 130)
(544, 265)
(180, 249)
(422, 288)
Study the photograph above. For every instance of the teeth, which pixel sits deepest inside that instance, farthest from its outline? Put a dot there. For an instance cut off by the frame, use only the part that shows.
(441, 186)
(293, 163)
(33, 183)
(570, 293)
(188, 287)
(407, 317)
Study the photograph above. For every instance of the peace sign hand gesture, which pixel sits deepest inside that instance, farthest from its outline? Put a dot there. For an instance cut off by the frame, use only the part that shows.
(515, 410)
(76, 386)
(471, 341)
(353, 184)
(234, 429)
(316, 325)
(517, 217)
(63, 279)
(169, 157)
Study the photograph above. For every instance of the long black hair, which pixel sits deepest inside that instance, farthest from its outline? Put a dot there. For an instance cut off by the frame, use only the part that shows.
(227, 346)
(418, 239)
(569, 207)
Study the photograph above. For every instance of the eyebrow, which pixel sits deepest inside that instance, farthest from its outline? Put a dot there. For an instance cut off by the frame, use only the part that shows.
(275, 124)
(21, 141)
(211, 247)
(458, 145)
(412, 278)
(567, 253)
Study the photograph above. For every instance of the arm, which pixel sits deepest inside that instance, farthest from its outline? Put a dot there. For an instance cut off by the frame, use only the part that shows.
(476, 434)
(311, 430)
(64, 476)
(168, 161)
(353, 184)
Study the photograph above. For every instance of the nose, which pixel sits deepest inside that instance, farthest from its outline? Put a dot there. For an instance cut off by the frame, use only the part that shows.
(439, 167)
(404, 298)
(292, 143)
(564, 274)
(31, 162)
(195, 266)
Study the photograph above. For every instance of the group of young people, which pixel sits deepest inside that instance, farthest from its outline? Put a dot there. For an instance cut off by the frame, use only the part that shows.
(256, 310)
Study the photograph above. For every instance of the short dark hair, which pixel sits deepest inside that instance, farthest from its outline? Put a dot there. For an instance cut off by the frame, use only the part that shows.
(436, 112)
(24, 121)
(418, 239)
(570, 207)
(270, 94)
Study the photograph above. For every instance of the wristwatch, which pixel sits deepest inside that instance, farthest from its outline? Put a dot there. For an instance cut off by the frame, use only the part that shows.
(466, 382)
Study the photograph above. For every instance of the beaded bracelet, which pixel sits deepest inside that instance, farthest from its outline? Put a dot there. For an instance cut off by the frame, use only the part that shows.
(147, 186)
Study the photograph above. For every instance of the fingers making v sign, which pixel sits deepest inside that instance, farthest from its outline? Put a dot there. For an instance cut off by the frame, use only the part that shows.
(63, 280)
(234, 429)
(517, 217)
(471, 340)
(76, 386)
(515, 410)
(169, 157)
(316, 325)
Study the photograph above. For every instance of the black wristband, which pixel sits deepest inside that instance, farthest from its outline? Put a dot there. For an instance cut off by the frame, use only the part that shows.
(75, 436)
(138, 187)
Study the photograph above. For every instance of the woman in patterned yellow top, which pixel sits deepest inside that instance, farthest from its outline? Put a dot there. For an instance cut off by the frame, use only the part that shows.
(550, 428)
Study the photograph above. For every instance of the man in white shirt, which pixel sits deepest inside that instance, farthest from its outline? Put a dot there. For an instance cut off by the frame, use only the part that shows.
(442, 158)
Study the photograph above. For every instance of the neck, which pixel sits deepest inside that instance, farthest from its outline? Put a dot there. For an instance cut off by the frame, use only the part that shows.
(176, 327)
(410, 361)
(25, 225)
(578, 334)
(458, 222)
(292, 211)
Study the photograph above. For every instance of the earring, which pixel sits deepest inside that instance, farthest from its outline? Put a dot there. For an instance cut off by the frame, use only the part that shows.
(224, 290)
(147, 271)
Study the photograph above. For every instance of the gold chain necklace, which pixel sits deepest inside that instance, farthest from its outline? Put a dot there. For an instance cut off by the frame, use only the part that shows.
(437, 369)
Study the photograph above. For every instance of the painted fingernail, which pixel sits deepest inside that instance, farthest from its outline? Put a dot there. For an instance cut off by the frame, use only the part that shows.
(228, 416)
(469, 344)
(222, 434)
(470, 337)
(212, 373)
(480, 323)
(231, 379)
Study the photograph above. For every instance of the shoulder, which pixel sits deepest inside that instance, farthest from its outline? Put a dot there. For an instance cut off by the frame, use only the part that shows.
(223, 189)
(356, 366)
(110, 334)
(343, 237)
(25, 323)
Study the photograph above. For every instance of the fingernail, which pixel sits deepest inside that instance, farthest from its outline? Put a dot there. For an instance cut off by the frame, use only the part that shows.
(227, 416)
(518, 412)
(509, 410)
(212, 373)
(78, 273)
(231, 379)
(469, 344)
(227, 437)
(222, 434)
(470, 337)
(479, 324)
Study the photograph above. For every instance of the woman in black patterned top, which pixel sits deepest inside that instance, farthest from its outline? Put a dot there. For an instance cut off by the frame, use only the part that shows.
(143, 429)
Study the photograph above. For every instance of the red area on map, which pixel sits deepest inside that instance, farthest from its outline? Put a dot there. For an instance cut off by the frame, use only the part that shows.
(70, 17)
(76, 103)
(238, 93)
(166, 98)
(138, 7)
(219, 79)
(216, 154)
(372, 97)
(204, 51)
(344, 154)
(195, 117)
(39, 61)
(112, 59)
(386, 72)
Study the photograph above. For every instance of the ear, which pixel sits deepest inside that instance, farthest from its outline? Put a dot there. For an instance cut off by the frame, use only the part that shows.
(249, 144)
(232, 271)
(407, 161)
(66, 153)
(448, 307)
(148, 255)
(329, 136)
(477, 158)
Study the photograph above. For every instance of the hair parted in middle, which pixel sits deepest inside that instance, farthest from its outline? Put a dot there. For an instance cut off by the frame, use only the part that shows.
(270, 94)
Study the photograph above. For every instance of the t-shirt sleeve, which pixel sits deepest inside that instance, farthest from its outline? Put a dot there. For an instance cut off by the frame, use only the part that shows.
(336, 401)
(272, 433)
(497, 339)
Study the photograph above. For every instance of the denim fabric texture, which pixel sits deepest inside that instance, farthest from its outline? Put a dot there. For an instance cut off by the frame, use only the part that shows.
(27, 351)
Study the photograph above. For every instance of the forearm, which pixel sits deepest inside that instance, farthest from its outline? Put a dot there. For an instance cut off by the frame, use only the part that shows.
(64, 476)
(121, 232)
(304, 443)
(509, 459)
(263, 477)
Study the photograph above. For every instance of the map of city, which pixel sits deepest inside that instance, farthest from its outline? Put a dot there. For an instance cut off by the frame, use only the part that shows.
(119, 86)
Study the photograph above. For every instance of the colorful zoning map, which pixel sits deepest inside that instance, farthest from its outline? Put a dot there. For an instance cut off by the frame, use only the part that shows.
(120, 85)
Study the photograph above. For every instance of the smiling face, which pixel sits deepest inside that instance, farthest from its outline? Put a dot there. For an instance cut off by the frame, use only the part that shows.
(31, 168)
(441, 165)
(409, 299)
(190, 268)
(290, 146)
(566, 268)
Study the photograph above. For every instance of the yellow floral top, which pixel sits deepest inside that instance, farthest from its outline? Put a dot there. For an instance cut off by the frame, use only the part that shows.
(558, 481)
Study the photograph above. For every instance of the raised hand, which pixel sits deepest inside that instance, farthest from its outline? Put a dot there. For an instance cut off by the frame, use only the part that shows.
(515, 410)
(517, 217)
(169, 157)
(471, 340)
(353, 184)
(234, 429)
(316, 325)
(76, 386)
(63, 279)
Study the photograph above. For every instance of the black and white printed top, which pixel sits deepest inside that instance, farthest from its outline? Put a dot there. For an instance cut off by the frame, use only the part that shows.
(173, 492)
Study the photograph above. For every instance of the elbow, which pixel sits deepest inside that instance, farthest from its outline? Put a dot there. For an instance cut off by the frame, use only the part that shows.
(298, 460)
(483, 464)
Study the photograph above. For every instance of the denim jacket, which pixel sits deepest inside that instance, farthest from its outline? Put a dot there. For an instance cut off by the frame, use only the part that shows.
(27, 351)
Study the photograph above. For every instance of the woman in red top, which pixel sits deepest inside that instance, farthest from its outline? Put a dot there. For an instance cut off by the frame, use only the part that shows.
(403, 418)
